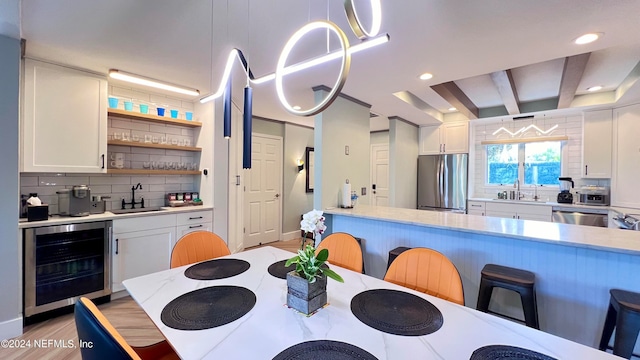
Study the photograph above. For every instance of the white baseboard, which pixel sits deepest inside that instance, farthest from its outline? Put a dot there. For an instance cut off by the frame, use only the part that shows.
(11, 328)
(290, 235)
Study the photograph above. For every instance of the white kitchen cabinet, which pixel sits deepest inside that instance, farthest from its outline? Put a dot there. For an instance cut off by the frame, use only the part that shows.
(183, 230)
(64, 123)
(518, 211)
(140, 253)
(448, 138)
(597, 128)
(627, 157)
(141, 246)
(193, 221)
(476, 207)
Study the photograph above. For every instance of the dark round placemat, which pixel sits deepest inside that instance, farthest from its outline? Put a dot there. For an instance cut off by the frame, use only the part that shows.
(504, 352)
(208, 307)
(396, 312)
(278, 269)
(216, 269)
(323, 349)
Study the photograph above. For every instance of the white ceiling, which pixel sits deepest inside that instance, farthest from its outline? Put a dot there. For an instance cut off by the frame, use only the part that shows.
(187, 42)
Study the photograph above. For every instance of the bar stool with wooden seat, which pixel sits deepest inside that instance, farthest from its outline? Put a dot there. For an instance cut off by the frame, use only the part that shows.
(427, 271)
(198, 246)
(520, 281)
(624, 316)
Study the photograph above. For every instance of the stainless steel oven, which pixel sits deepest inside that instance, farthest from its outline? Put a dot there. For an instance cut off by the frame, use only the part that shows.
(63, 263)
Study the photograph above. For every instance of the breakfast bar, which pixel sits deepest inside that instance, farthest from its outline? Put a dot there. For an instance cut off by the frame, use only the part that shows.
(575, 266)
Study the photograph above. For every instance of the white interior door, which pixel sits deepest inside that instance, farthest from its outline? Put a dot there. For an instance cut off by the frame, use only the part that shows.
(380, 174)
(262, 191)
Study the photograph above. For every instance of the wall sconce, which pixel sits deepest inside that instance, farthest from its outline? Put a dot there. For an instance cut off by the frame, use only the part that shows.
(300, 165)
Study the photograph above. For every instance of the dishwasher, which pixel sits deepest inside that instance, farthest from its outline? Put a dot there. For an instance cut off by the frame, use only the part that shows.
(581, 216)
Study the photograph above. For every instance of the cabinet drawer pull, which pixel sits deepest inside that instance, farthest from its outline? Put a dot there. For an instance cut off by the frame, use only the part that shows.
(195, 217)
(195, 226)
(475, 205)
(116, 246)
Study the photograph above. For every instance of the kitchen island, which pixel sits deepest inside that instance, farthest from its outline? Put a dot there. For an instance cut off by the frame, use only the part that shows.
(575, 266)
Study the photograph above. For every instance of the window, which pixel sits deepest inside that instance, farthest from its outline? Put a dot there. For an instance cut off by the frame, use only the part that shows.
(542, 163)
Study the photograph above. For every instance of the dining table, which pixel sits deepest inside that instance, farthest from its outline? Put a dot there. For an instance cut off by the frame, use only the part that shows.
(266, 328)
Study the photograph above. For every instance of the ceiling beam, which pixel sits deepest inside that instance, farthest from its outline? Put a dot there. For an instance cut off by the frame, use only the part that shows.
(507, 89)
(571, 74)
(454, 96)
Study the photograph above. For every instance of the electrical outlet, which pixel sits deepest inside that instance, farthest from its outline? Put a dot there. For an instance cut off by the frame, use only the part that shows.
(363, 191)
(346, 149)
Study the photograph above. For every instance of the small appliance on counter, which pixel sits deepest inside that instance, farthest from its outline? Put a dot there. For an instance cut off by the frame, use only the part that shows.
(565, 196)
(98, 204)
(75, 201)
(593, 195)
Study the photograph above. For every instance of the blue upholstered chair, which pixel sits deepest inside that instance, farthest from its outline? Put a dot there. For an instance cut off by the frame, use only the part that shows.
(106, 343)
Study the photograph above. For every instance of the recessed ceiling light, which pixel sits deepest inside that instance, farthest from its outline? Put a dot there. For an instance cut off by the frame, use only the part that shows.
(452, 109)
(587, 38)
(595, 88)
(297, 107)
(426, 76)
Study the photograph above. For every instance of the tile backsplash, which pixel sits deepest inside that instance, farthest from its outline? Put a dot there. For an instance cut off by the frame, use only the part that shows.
(154, 187)
(571, 126)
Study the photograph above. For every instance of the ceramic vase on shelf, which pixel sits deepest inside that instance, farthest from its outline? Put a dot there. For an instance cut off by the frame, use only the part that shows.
(304, 296)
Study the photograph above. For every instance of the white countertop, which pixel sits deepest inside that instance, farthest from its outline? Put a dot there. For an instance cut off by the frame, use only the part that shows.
(547, 203)
(107, 215)
(615, 240)
(270, 326)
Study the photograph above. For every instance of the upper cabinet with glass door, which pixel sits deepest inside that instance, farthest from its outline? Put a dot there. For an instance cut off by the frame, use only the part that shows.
(64, 121)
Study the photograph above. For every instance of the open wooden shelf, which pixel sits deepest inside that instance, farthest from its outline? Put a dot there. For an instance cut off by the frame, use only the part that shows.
(152, 172)
(153, 118)
(152, 145)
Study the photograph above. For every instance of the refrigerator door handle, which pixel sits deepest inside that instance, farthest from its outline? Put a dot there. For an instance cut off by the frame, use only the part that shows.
(441, 180)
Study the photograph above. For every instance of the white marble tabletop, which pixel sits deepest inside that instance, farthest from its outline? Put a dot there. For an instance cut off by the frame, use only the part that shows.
(271, 326)
(615, 240)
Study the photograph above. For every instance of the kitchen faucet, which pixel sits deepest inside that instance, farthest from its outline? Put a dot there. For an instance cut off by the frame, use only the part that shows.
(133, 198)
(516, 185)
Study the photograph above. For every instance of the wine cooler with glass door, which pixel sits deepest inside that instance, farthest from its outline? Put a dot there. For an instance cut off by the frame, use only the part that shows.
(63, 263)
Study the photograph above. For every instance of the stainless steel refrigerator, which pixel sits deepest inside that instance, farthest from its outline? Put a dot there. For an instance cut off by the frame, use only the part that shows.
(442, 182)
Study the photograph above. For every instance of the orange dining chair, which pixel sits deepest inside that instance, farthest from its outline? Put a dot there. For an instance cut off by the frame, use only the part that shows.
(106, 343)
(198, 246)
(344, 251)
(427, 271)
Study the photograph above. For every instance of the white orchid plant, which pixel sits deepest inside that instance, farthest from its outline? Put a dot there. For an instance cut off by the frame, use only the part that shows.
(312, 222)
(310, 265)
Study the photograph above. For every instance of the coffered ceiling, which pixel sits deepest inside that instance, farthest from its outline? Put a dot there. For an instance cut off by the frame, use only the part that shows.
(500, 57)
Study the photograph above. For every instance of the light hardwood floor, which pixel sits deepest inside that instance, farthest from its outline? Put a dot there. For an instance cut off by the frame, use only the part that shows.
(124, 314)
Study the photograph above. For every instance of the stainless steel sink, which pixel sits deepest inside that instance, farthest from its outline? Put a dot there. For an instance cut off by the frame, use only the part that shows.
(132, 211)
